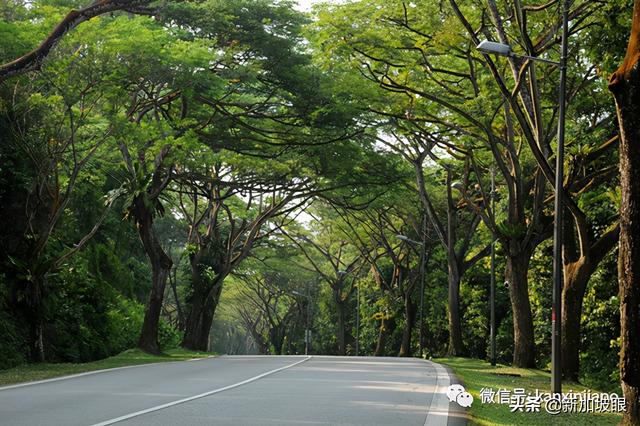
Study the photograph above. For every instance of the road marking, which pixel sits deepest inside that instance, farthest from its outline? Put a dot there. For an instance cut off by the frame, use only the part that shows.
(202, 395)
(73, 376)
(438, 414)
(89, 373)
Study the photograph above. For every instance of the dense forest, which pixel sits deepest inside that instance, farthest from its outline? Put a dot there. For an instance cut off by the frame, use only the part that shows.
(244, 177)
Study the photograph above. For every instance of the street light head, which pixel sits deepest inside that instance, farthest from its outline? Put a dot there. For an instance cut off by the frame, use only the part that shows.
(486, 46)
(342, 273)
(407, 239)
(457, 186)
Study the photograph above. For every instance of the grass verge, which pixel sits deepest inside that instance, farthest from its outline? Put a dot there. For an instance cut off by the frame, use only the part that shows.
(32, 372)
(477, 374)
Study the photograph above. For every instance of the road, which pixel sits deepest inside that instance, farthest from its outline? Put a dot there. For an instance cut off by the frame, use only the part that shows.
(241, 390)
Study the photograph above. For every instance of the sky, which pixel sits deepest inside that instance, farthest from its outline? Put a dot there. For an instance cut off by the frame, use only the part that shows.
(305, 5)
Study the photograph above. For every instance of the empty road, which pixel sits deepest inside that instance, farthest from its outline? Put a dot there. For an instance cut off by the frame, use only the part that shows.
(241, 390)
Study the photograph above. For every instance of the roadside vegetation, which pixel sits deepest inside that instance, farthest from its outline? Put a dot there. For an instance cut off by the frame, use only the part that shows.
(477, 375)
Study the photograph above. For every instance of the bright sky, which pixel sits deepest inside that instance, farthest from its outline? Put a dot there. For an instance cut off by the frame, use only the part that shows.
(305, 5)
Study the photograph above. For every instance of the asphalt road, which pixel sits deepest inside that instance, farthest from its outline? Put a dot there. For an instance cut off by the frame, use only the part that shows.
(242, 390)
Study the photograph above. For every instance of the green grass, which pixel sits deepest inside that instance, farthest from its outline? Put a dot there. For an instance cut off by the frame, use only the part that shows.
(476, 374)
(31, 372)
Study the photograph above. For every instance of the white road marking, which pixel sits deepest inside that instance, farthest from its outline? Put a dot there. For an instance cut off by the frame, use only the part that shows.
(73, 376)
(438, 413)
(89, 373)
(202, 395)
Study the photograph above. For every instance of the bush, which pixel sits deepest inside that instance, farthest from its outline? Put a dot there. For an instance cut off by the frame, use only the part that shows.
(168, 336)
(13, 350)
(12, 346)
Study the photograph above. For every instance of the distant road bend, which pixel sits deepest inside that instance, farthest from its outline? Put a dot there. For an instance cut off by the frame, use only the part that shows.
(241, 390)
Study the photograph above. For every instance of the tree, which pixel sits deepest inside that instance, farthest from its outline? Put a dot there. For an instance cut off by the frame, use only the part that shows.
(33, 59)
(581, 256)
(382, 226)
(448, 106)
(270, 311)
(625, 86)
(338, 265)
(144, 191)
(57, 125)
(223, 230)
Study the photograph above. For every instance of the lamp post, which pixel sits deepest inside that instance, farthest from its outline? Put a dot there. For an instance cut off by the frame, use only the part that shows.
(422, 274)
(492, 287)
(357, 319)
(505, 50)
(307, 331)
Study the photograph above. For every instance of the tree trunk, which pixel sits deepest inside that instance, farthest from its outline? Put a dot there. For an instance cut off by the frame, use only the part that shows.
(524, 343)
(203, 304)
(409, 319)
(453, 314)
(193, 324)
(32, 310)
(148, 341)
(382, 337)
(205, 295)
(576, 279)
(161, 265)
(625, 86)
(276, 335)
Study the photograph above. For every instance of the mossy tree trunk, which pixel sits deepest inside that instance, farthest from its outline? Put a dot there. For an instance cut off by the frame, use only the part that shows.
(625, 86)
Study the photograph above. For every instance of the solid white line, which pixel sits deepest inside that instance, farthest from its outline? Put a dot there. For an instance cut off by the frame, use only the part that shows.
(89, 373)
(73, 376)
(438, 414)
(202, 395)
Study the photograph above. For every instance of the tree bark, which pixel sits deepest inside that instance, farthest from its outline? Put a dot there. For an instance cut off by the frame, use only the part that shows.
(576, 277)
(625, 86)
(203, 306)
(382, 337)
(409, 320)
(524, 354)
(36, 326)
(161, 265)
(453, 314)
(577, 274)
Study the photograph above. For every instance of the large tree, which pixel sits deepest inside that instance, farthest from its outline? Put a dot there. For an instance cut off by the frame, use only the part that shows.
(625, 86)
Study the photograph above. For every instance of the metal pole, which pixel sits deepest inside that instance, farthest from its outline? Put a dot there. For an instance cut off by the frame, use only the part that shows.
(307, 332)
(492, 290)
(556, 356)
(357, 319)
(422, 273)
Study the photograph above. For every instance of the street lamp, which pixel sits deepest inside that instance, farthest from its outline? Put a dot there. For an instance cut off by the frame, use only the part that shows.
(307, 331)
(422, 273)
(491, 47)
(505, 50)
(492, 286)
